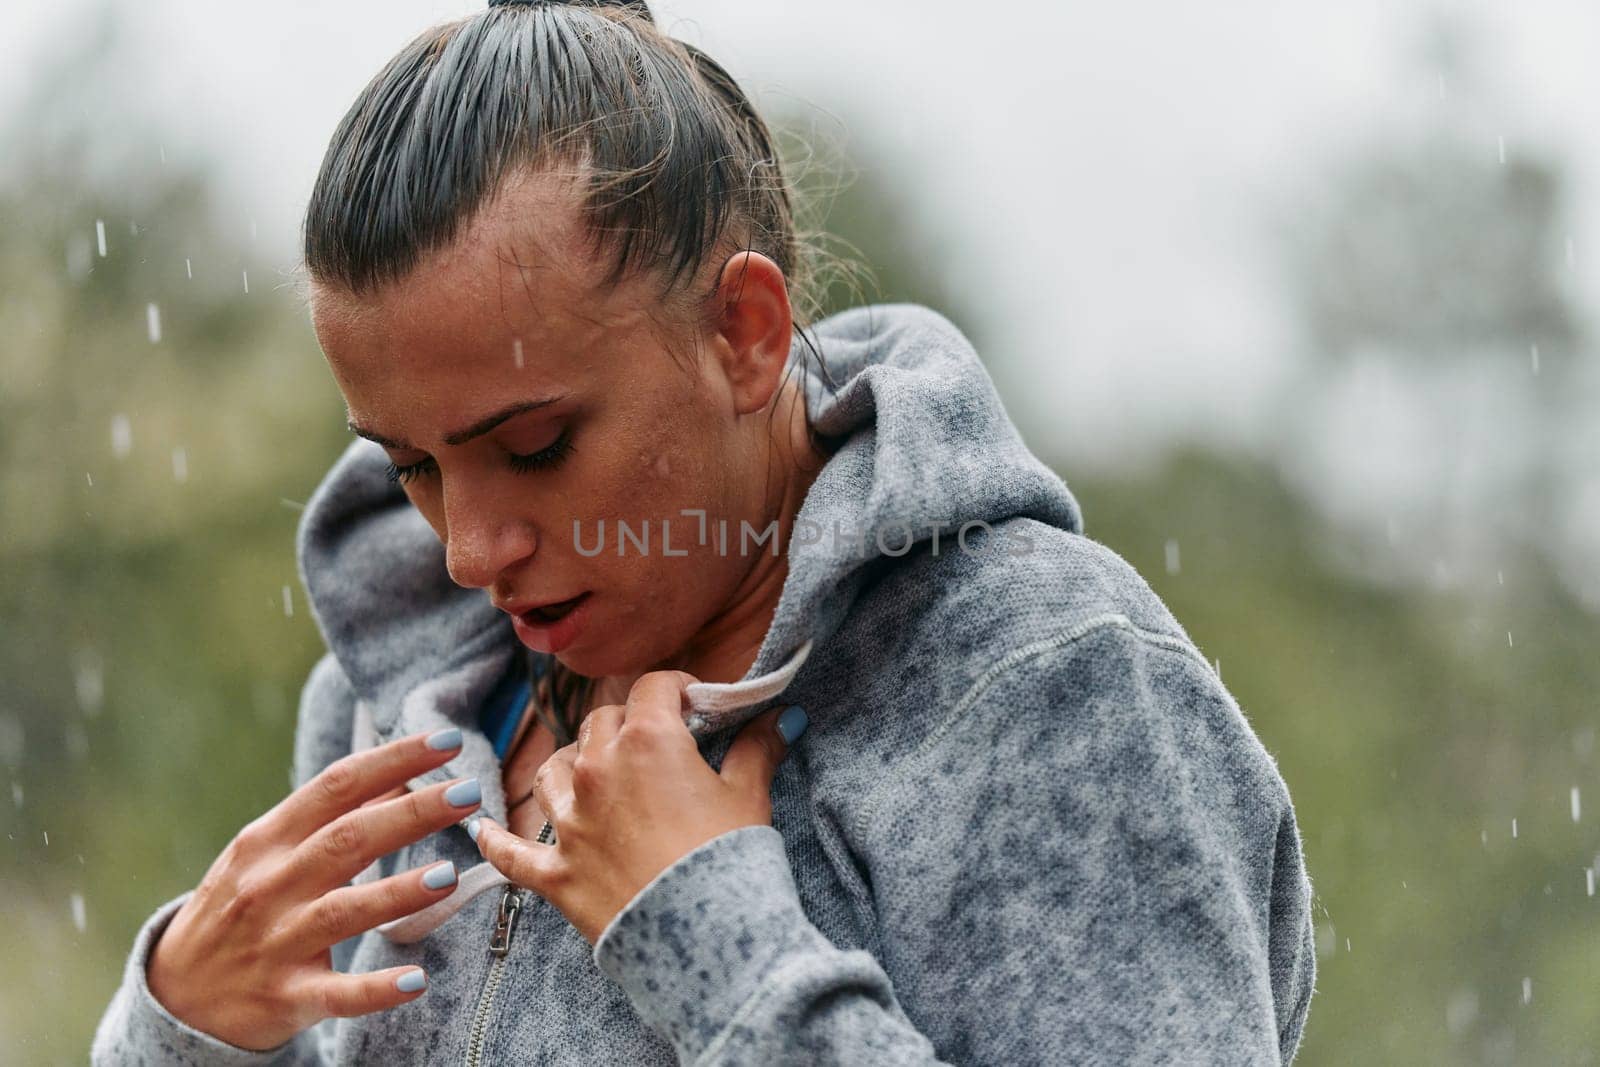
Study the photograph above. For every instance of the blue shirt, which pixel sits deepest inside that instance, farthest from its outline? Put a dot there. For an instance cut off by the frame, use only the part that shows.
(501, 712)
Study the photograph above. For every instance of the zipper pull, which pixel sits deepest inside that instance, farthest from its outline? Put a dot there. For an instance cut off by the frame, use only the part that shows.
(510, 906)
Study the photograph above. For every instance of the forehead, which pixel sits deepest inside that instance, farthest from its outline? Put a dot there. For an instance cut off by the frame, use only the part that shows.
(519, 282)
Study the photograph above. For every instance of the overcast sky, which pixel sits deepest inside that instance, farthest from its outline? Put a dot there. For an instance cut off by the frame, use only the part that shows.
(1101, 166)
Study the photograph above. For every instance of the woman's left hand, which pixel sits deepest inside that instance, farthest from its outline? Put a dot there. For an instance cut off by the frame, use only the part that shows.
(630, 797)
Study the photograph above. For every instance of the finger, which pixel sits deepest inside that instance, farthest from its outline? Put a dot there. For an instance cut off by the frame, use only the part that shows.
(600, 725)
(353, 910)
(528, 865)
(552, 784)
(345, 995)
(658, 698)
(348, 781)
(342, 849)
(751, 761)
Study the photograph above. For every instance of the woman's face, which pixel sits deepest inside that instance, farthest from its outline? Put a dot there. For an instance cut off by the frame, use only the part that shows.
(510, 321)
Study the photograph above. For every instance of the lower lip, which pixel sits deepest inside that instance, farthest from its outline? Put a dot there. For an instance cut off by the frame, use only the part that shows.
(552, 637)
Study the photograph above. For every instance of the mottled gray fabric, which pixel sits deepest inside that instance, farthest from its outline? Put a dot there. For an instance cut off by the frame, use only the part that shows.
(1027, 824)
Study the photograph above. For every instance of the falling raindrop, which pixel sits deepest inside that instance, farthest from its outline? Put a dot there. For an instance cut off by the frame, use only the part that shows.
(1534, 351)
(1216, 665)
(1483, 838)
(152, 321)
(252, 229)
(1502, 149)
(121, 435)
(88, 680)
(1574, 803)
(180, 464)
(246, 275)
(16, 794)
(288, 603)
(1172, 555)
(79, 918)
(1347, 944)
(89, 476)
(46, 834)
(1513, 828)
(1501, 575)
(1588, 878)
(188, 268)
(1527, 990)
(100, 236)
(163, 151)
(1508, 640)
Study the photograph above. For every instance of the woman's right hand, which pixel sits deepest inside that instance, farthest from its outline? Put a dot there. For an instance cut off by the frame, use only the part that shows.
(247, 957)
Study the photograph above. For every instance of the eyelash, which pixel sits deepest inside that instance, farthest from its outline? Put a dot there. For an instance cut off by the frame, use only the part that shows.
(544, 458)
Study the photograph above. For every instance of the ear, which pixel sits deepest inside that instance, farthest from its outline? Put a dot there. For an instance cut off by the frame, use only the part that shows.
(754, 328)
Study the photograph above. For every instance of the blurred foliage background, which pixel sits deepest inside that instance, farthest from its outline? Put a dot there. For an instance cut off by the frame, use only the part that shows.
(165, 412)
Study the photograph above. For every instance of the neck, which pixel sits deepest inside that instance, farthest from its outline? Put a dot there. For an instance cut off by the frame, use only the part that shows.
(727, 646)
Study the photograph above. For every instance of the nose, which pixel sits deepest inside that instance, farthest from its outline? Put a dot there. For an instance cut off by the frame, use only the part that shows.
(483, 540)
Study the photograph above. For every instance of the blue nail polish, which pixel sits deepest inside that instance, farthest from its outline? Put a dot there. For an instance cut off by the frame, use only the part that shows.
(464, 794)
(444, 740)
(472, 829)
(411, 981)
(792, 723)
(440, 875)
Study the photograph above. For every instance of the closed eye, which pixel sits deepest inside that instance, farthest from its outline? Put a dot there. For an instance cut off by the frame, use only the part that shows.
(550, 456)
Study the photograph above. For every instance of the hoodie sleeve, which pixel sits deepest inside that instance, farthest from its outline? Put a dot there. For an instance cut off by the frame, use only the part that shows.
(136, 1028)
(1090, 858)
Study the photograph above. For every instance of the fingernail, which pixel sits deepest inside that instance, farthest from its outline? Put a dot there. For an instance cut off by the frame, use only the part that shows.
(411, 981)
(465, 794)
(444, 740)
(792, 723)
(472, 829)
(440, 875)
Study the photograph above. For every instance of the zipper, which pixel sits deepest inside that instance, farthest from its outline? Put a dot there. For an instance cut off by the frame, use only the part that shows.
(505, 922)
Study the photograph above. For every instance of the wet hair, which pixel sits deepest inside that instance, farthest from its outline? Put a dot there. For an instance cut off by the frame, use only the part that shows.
(679, 170)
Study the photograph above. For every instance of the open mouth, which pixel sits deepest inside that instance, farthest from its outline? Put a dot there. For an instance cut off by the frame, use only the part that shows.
(552, 612)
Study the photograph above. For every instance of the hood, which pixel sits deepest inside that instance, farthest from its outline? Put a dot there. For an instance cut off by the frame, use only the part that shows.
(923, 446)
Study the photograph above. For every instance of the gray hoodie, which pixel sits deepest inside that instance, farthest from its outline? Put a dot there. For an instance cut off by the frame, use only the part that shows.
(1027, 824)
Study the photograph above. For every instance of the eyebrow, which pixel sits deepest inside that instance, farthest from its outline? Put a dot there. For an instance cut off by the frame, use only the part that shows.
(477, 429)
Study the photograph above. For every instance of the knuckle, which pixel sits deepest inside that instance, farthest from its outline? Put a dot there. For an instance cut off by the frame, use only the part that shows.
(339, 781)
(343, 839)
(586, 774)
(248, 900)
(332, 917)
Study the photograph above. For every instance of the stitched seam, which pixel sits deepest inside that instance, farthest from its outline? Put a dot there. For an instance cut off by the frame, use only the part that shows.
(1016, 656)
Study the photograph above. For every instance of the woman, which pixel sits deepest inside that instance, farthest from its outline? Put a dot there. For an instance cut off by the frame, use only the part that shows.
(605, 543)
